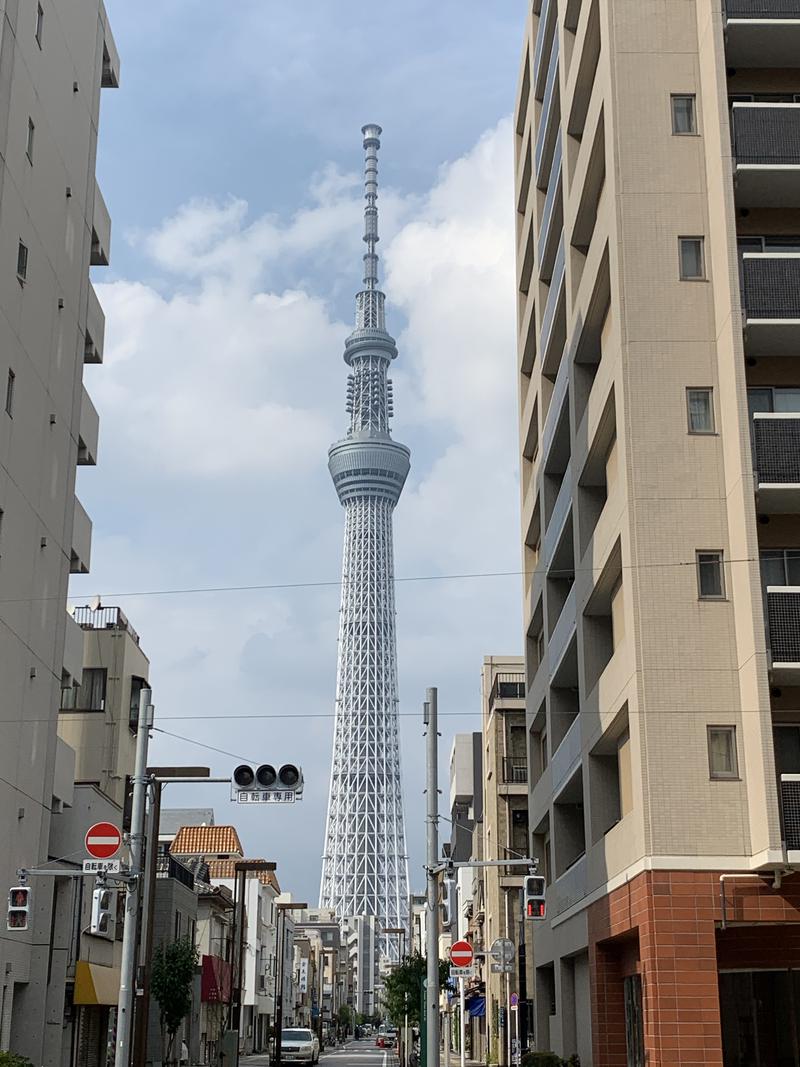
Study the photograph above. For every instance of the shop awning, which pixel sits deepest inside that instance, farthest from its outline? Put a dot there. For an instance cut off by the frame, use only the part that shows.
(95, 984)
(476, 1007)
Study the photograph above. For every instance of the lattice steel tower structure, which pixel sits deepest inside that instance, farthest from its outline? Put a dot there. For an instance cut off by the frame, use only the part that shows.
(365, 869)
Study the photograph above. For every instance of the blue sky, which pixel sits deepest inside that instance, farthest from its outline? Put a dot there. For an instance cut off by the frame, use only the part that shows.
(230, 159)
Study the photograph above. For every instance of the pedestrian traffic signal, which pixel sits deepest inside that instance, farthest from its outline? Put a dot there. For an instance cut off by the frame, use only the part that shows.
(19, 906)
(264, 783)
(534, 888)
(102, 902)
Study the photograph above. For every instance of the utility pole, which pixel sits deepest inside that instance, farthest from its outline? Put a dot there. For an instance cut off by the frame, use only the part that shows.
(134, 892)
(432, 923)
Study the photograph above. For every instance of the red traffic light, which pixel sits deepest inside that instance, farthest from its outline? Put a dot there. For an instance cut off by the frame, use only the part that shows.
(536, 909)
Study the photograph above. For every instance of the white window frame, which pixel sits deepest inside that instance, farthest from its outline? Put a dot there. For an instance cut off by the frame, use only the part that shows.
(673, 97)
(710, 552)
(701, 389)
(723, 776)
(701, 277)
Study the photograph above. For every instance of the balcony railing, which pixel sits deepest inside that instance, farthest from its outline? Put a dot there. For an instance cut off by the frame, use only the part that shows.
(515, 769)
(790, 811)
(762, 9)
(783, 625)
(776, 448)
(169, 867)
(508, 686)
(103, 619)
(771, 285)
(766, 134)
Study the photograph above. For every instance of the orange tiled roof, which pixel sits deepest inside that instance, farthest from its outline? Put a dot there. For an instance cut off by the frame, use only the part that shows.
(206, 841)
(227, 869)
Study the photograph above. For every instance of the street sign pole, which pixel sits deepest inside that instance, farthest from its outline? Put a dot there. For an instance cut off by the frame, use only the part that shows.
(128, 963)
(462, 1023)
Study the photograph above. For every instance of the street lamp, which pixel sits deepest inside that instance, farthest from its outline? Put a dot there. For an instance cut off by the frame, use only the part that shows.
(281, 907)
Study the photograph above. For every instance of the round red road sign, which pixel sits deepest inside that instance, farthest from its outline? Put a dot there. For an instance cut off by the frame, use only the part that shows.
(461, 954)
(103, 840)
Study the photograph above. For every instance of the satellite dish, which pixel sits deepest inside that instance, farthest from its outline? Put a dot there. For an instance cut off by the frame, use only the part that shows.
(95, 603)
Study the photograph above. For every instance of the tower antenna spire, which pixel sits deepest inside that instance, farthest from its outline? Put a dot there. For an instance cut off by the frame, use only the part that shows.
(372, 142)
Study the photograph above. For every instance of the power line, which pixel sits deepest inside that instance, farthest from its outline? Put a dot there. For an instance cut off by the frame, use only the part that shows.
(336, 583)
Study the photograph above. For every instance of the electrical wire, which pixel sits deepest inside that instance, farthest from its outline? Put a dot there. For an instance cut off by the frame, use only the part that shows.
(334, 583)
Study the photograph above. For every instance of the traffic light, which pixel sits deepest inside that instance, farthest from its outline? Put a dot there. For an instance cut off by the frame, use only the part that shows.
(535, 888)
(19, 906)
(100, 922)
(266, 779)
(447, 901)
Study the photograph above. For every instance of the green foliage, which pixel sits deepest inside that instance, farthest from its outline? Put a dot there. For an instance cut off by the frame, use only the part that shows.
(402, 988)
(171, 981)
(11, 1059)
(548, 1059)
(345, 1015)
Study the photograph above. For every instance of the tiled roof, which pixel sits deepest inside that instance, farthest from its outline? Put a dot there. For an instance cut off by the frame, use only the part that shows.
(207, 841)
(218, 869)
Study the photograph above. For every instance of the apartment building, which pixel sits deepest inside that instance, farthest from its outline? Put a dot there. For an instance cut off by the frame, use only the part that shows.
(505, 837)
(53, 226)
(658, 276)
(94, 727)
(99, 717)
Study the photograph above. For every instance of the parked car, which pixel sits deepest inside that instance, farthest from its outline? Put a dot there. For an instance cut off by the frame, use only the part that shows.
(299, 1046)
(387, 1037)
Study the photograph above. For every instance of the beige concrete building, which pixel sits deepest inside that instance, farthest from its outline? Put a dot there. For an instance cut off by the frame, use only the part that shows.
(56, 58)
(505, 837)
(98, 718)
(658, 275)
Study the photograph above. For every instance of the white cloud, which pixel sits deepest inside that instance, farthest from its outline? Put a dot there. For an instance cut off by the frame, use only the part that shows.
(221, 391)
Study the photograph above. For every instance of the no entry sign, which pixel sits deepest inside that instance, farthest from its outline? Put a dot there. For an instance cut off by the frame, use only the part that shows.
(103, 840)
(461, 954)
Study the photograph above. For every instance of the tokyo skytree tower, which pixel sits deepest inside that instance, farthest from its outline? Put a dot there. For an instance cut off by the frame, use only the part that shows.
(365, 869)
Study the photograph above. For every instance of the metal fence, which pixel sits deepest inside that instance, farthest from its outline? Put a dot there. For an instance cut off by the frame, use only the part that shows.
(515, 769)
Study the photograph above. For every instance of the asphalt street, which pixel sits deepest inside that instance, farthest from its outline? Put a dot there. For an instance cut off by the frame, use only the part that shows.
(356, 1053)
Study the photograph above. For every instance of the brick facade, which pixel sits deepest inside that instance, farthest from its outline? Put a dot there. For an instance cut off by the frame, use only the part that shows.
(666, 927)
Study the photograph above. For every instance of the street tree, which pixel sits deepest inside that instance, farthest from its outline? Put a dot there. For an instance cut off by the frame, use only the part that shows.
(403, 986)
(174, 966)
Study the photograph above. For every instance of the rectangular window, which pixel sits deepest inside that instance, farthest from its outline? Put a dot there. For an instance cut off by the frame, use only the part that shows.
(722, 762)
(683, 113)
(710, 581)
(691, 258)
(700, 406)
(29, 146)
(91, 695)
(10, 393)
(39, 24)
(22, 262)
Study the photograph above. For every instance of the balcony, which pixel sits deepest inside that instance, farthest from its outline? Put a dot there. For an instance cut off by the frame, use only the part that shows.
(507, 687)
(762, 33)
(72, 667)
(515, 770)
(169, 867)
(776, 460)
(88, 433)
(552, 218)
(563, 633)
(101, 231)
(554, 325)
(81, 552)
(771, 302)
(94, 333)
(544, 35)
(549, 121)
(783, 631)
(790, 812)
(103, 619)
(766, 148)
